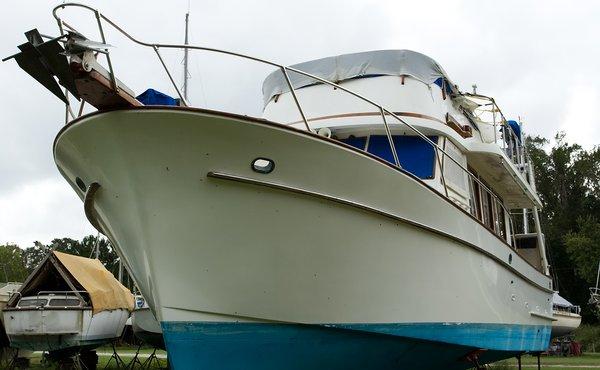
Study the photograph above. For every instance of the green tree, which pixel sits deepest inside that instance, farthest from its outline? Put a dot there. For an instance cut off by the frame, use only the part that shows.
(12, 263)
(84, 248)
(584, 247)
(567, 180)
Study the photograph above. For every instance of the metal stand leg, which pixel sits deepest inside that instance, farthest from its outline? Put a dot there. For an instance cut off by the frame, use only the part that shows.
(538, 361)
(152, 360)
(118, 360)
(519, 362)
(136, 359)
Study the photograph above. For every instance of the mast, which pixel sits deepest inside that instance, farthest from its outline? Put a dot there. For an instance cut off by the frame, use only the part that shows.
(185, 58)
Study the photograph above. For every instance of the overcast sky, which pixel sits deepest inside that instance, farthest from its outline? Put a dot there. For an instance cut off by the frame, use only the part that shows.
(540, 60)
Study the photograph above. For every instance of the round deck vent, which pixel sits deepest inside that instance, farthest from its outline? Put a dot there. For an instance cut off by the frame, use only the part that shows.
(263, 165)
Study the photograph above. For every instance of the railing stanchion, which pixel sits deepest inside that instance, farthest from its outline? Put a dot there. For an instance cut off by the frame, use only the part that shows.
(170, 77)
(441, 164)
(289, 82)
(113, 79)
(390, 138)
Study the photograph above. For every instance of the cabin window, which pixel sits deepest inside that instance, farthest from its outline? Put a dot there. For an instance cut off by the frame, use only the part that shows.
(357, 142)
(486, 209)
(500, 221)
(416, 155)
(32, 302)
(474, 200)
(64, 302)
(454, 174)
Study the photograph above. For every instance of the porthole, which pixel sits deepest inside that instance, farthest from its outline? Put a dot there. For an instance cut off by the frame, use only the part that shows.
(80, 184)
(510, 258)
(263, 165)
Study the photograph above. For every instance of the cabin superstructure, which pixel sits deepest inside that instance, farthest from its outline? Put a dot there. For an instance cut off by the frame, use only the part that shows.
(488, 175)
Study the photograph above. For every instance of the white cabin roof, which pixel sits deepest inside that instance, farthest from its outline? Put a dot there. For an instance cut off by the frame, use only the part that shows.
(348, 66)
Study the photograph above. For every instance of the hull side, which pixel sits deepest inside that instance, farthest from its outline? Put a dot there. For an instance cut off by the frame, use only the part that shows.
(206, 249)
(57, 330)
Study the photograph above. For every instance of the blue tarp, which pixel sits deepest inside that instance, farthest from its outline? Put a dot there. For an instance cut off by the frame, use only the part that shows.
(514, 125)
(415, 154)
(153, 97)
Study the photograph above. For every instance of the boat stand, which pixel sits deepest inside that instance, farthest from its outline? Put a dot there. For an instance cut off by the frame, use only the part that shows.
(118, 360)
(136, 359)
(539, 361)
(16, 362)
(152, 362)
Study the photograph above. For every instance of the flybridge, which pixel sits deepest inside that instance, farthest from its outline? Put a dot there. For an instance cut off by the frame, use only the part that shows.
(359, 65)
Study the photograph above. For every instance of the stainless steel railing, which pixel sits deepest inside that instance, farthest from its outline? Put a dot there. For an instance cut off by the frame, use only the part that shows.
(439, 151)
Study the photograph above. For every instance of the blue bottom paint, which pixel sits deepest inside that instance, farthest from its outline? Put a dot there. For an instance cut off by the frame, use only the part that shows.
(217, 345)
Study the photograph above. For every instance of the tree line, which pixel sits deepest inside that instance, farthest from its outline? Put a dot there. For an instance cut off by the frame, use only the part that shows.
(568, 184)
(18, 263)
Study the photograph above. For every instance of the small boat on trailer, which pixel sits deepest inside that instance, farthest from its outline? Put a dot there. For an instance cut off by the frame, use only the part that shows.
(567, 316)
(69, 304)
(333, 232)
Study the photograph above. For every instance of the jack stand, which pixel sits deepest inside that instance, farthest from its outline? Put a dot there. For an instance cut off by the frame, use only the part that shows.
(118, 360)
(136, 359)
(16, 362)
(473, 358)
(153, 359)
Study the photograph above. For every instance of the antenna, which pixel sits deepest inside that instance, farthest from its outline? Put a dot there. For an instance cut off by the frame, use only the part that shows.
(185, 57)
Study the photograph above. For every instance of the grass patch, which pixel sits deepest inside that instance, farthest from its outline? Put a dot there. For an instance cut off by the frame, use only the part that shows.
(586, 361)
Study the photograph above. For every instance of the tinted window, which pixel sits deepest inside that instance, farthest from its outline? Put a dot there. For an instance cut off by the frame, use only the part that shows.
(32, 302)
(64, 302)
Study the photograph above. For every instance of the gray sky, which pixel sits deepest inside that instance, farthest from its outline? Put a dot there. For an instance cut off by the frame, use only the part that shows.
(538, 59)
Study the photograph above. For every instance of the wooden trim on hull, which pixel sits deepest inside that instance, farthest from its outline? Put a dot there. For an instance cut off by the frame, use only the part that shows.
(247, 180)
(312, 135)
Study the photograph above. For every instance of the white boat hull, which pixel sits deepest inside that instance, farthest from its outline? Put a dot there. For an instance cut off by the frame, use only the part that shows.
(59, 330)
(566, 323)
(330, 239)
(147, 328)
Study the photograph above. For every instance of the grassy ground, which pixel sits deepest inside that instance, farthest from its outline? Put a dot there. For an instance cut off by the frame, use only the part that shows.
(105, 361)
(587, 361)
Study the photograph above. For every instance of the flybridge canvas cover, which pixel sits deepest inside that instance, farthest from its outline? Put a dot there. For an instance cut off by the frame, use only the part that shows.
(105, 291)
(560, 301)
(348, 66)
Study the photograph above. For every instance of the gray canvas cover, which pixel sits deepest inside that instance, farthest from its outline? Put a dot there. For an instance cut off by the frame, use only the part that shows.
(557, 300)
(348, 66)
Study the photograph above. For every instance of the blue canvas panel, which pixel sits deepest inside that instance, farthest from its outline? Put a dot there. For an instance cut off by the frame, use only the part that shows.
(357, 142)
(514, 125)
(415, 154)
(153, 97)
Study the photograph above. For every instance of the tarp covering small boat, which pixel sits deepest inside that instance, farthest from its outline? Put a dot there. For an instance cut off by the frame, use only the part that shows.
(106, 293)
(62, 271)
